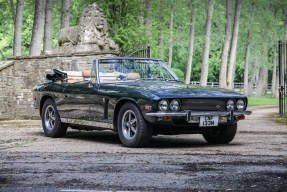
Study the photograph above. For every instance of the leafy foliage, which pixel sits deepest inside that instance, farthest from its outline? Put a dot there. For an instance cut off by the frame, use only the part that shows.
(126, 20)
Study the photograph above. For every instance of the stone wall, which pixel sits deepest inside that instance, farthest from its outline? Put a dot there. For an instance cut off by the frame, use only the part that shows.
(19, 75)
(7, 90)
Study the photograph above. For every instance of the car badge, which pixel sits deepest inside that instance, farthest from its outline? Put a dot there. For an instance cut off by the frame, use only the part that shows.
(218, 106)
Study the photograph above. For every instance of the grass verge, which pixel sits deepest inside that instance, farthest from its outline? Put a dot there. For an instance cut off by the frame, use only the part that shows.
(262, 100)
(281, 120)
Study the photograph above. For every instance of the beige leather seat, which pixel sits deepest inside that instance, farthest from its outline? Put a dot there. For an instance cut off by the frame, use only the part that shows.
(133, 76)
(74, 76)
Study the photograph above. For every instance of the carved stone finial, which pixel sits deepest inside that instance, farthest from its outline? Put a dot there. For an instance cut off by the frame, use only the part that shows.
(91, 31)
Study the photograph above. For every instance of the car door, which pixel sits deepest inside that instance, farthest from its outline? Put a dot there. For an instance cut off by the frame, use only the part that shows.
(79, 98)
(84, 102)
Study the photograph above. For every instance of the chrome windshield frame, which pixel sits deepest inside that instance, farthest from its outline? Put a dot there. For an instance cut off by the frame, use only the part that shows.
(158, 61)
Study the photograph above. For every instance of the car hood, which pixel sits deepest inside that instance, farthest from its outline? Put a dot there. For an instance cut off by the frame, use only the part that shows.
(164, 89)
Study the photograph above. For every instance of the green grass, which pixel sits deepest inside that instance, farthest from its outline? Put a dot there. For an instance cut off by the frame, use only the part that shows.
(279, 119)
(262, 101)
(267, 100)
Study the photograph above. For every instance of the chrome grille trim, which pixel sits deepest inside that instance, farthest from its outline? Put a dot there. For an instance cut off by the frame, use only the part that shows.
(203, 104)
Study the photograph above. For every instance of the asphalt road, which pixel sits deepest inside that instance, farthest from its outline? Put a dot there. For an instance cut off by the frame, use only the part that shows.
(96, 161)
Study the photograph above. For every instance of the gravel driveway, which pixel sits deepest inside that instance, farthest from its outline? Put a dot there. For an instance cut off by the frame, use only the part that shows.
(256, 160)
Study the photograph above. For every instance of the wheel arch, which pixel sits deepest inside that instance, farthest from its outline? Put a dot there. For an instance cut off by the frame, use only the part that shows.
(118, 106)
(43, 99)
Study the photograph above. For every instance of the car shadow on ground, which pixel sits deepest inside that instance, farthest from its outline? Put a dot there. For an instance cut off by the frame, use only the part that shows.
(180, 142)
(107, 137)
(157, 142)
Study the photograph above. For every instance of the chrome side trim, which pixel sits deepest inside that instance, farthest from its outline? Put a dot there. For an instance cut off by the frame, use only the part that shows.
(87, 123)
(197, 113)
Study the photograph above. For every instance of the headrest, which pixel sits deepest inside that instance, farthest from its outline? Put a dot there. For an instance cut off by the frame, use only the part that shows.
(87, 74)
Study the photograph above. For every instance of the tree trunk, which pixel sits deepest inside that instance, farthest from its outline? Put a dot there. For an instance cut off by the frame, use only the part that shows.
(232, 59)
(65, 17)
(226, 46)
(17, 51)
(148, 22)
(285, 23)
(48, 26)
(38, 28)
(171, 37)
(261, 88)
(191, 43)
(262, 81)
(161, 35)
(246, 65)
(123, 12)
(252, 81)
(205, 57)
(274, 73)
(247, 53)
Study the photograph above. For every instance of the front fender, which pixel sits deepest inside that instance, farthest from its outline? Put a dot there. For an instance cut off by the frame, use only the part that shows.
(140, 103)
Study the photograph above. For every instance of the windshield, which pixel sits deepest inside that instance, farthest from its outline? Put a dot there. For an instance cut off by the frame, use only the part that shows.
(115, 70)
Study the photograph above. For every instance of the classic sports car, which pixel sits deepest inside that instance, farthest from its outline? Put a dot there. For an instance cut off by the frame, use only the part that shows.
(137, 98)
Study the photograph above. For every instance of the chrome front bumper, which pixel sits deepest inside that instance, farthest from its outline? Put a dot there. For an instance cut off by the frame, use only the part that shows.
(199, 113)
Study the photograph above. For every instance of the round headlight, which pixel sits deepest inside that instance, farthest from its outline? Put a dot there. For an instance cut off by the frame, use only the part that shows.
(240, 104)
(163, 105)
(174, 105)
(230, 104)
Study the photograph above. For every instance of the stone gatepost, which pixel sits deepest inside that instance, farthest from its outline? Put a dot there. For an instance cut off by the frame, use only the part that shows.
(79, 47)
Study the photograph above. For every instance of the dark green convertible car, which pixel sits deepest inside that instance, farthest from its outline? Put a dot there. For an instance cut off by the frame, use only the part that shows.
(136, 98)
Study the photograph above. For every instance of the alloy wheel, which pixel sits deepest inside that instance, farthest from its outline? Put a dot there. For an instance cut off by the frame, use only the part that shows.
(129, 124)
(50, 117)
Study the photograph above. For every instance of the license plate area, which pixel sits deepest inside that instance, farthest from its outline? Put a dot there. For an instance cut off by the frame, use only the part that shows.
(208, 121)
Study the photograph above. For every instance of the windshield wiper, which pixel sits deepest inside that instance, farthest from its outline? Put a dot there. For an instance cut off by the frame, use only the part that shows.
(174, 80)
(155, 79)
(161, 79)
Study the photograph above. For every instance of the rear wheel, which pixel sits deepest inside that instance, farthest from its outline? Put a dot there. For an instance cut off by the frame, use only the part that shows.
(225, 134)
(51, 122)
(132, 127)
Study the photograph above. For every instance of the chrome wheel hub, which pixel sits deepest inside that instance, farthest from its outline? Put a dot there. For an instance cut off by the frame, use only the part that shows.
(129, 124)
(50, 117)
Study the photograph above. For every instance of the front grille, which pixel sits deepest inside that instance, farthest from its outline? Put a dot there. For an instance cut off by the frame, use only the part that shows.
(203, 104)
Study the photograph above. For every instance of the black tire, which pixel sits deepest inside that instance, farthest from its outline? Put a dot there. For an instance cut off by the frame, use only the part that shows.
(51, 122)
(132, 127)
(224, 135)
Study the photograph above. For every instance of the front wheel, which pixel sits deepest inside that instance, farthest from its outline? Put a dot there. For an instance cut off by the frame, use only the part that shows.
(225, 134)
(51, 122)
(132, 127)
